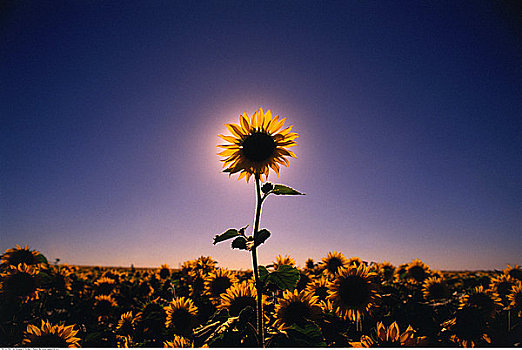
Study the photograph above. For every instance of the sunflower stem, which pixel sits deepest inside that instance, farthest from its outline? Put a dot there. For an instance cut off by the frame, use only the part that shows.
(259, 203)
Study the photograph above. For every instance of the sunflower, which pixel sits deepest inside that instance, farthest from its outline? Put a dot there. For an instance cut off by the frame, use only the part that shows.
(390, 337)
(296, 307)
(355, 261)
(467, 328)
(21, 282)
(386, 270)
(486, 301)
(502, 284)
(181, 315)
(515, 298)
(513, 272)
(280, 260)
(151, 319)
(434, 288)
(61, 277)
(164, 271)
(18, 255)
(104, 285)
(126, 323)
(333, 262)
(238, 297)
(196, 283)
(257, 145)
(217, 282)
(418, 271)
(318, 287)
(205, 264)
(180, 342)
(50, 336)
(304, 280)
(353, 293)
(309, 264)
(104, 304)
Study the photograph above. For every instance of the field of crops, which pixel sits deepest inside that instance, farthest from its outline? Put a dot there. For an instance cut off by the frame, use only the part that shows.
(337, 301)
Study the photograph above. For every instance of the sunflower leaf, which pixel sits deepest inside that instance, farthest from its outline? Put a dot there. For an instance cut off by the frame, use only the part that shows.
(230, 233)
(240, 243)
(306, 335)
(285, 190)
(260, 237)
(263, 273)
(285, 277)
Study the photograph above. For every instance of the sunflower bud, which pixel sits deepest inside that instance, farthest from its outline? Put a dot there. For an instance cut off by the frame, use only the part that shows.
(267, 187)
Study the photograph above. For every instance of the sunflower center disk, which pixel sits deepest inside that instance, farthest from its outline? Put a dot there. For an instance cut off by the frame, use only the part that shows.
(354, 292)
(258, 147)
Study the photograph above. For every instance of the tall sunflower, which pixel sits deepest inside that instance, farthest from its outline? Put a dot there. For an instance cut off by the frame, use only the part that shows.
(353, 292)
(49, 335)
(126, 323)
(333, 262)
(514, 272)
(217, 282)
(164, 271)
(181, 315)
(386, 270)
(20, 282)
(257, 144)
(296, 307)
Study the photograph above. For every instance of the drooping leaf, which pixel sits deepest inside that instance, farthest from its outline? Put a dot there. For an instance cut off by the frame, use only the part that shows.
(261, 237)
(285, 277)
(240, 243)
(285, 190)
(230, 233)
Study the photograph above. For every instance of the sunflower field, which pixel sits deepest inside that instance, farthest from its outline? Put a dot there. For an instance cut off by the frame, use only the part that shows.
(337, 302)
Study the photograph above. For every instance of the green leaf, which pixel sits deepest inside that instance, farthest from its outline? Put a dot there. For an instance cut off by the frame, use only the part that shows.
(260, 237)
(230, 233)
(285, 190)
(309, 335)
(285, 277)
(240, 243)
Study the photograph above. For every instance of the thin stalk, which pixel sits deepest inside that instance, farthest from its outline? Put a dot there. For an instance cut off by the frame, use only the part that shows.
(259, 203)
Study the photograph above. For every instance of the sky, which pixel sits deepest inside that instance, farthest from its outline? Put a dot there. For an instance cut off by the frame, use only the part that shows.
(409, 116)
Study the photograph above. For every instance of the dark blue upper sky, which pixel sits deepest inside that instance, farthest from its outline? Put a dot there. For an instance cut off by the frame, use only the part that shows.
(409, 115)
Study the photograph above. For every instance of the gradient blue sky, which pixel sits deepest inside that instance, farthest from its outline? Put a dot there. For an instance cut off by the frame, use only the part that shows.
(409, 115)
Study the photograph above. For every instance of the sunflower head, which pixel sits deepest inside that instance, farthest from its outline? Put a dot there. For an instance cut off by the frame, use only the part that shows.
(50, 336)
(296, 307)
(487, 301)
(181, 315)
(178, 342)
(355, 261)
(238, 297)
(164, 271)
(217, 282)
(256, 145)
(104, 304)
(151, 319)
(126, 323)
(104, 285)
(435, 288)
(21, 282)
(468, 327)
(286, 260)
(18, 255)
(513, 272)
(205, 264)
(353, 293)
(418, 271)
(333, 262)
(318, 287)
(390, 337)
(309, 264)
(386, 270)
(502, 284)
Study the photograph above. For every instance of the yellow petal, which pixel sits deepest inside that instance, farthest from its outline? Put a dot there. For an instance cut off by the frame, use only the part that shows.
(235, 130)
(393, 332)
